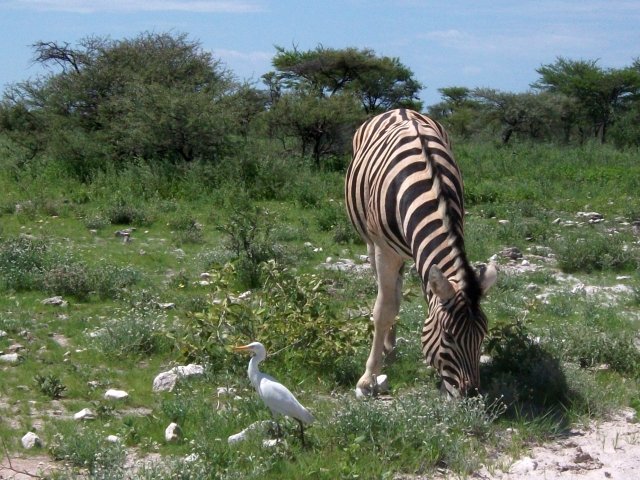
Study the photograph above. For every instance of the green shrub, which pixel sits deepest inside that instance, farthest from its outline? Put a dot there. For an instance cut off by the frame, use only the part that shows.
(85, 448)
(249, 236)
(23, 260)
(50, 385)
(68, 279)
(591, 250)
(292, 314)
(125, 213)
(444, 433)
(136, 332)
(591, 346)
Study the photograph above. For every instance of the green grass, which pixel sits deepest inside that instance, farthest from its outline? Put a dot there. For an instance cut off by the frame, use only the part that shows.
(57, 236)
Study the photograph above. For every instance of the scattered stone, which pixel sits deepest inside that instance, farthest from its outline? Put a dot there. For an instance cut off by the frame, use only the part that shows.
(10, 358)
(512, 253)
(3, 333)
(173, 433)
(524, 466)
(31, 440)
(271, 442)
(113, 394)
(60, 339)
(380, 387)
(125, 233)
(84, 414)
(591, 217)
(205, 276)
(166, 306)
(486, 359)
(249, 431)
(504, 222)
(226, 391)
(344, 265)
(14, 348)
(56, 301)
(113, 439)
(166, 381)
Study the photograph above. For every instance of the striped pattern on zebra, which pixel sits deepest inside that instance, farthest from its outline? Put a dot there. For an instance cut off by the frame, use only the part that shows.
(404, 195)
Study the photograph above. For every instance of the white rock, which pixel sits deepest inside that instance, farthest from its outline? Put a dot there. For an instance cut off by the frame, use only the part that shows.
(84, 414)
(244, 434)
(113, 439)
(3, 333)
(10, 358)
(226, 391)
(31, 440)
(382, 384)
(193, 457)
(166, 305)
(270, 443)
(188, 370)
(173, 432)
(486, 360)
(112, 394)
(524, 466)
(166, 381)
(56, 301)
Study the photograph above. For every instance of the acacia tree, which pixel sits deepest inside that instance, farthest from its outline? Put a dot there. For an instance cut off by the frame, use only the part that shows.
(530, 115)
(338, 88)
(599, 93)
(156, 96)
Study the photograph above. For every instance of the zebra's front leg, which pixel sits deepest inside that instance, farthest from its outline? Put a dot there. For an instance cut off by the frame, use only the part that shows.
(388, 266)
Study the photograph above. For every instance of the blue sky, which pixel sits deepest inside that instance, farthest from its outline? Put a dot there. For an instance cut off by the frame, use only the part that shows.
(497, 44)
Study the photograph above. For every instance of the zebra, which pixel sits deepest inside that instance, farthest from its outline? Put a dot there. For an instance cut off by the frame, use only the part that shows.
(404, 196)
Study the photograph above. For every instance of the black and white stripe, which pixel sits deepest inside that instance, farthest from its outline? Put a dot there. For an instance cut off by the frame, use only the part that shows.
(404, 195)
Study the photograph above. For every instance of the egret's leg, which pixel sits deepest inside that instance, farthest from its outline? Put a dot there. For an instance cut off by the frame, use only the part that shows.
(388, 266)
(301, 432)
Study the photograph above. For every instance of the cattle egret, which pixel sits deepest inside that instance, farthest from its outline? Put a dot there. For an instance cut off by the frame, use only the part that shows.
(276, 396)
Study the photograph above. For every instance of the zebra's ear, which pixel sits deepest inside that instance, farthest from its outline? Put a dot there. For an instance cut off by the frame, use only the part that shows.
(487, 274)
(440, 284)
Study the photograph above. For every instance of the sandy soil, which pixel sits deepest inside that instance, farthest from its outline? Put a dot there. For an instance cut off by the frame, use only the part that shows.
(604, 450)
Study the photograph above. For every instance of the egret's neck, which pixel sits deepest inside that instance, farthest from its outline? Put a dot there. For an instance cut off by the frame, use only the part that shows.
(253, 370)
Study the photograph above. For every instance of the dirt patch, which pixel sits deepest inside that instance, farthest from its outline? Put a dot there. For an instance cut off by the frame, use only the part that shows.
(21, 468)
(604, 449)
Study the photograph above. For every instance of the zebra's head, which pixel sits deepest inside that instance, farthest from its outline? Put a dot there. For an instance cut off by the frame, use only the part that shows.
(454, 331)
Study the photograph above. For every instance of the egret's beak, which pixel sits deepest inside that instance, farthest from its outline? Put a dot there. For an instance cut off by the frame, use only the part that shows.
(243, 348)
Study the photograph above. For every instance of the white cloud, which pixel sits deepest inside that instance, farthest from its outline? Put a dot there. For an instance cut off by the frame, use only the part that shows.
(129, 6)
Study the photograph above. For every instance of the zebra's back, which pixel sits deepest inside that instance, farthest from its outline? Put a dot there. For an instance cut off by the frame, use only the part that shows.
(404, 190)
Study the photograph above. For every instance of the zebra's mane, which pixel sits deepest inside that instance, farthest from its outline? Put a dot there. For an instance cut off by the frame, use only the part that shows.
(468, 280)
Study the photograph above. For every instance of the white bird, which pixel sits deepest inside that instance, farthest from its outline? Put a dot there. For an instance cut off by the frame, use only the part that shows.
(275, 395)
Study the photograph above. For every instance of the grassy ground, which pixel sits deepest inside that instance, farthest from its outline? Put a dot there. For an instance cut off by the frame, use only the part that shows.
(563, 338)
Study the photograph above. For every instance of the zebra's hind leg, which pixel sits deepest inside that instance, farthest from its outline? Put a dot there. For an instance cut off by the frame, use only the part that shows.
(390, 337)
(388, 267)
